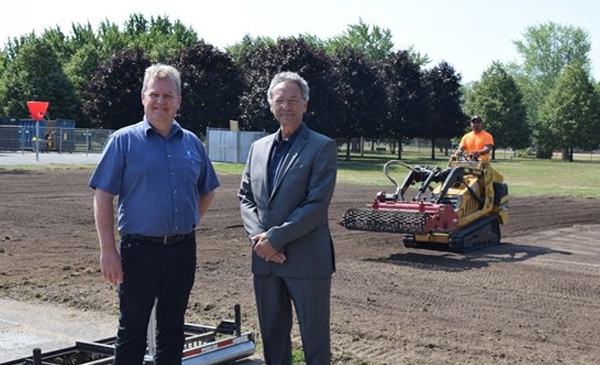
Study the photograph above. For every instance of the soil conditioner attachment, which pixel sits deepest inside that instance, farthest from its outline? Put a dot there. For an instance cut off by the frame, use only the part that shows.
(204, 345)
(458, 208)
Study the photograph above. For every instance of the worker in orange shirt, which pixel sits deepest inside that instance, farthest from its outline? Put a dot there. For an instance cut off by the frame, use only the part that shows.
(477, 143)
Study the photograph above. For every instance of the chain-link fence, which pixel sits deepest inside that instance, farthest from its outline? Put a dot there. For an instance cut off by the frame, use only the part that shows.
(61, 140)
(88, 140)
(422, 149)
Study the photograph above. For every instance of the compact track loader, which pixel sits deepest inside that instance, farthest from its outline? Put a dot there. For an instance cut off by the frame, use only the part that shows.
(459, 208)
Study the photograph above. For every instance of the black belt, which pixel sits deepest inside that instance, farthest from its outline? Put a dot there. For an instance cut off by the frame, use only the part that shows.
(166, 239)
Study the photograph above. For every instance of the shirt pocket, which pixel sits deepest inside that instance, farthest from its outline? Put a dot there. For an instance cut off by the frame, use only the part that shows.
(192, 165)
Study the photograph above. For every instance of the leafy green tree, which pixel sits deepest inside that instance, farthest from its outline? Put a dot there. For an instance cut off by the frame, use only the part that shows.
(111, 39)
(113, 98)
(404, 97)
(80, 69)
(59, 42)
(4, 61)
(291, 54)
(374, 42)
(35, 73)
(363, 96)
(66, 45)
(570, 116)
(247, 46)
(547, 49)
(498, 100)
(211, 87)
(7, 56)
(158, 37)
(421, 59)
(444, 117)
(83, 35)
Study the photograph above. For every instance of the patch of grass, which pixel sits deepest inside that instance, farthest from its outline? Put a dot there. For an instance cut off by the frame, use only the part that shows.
(524, 177)
(550, 177)
(229, 168)
(297, 356)
(44, 167)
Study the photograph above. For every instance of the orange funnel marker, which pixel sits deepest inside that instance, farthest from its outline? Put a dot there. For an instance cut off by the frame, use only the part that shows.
(37, 109)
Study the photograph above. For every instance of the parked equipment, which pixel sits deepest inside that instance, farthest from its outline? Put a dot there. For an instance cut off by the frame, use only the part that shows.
(204, 345)
(458, 208)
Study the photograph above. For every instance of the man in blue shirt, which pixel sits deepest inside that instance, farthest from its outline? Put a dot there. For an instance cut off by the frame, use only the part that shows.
(165, 183)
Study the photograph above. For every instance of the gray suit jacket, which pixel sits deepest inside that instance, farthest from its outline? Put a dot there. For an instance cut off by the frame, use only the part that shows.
(294, 212)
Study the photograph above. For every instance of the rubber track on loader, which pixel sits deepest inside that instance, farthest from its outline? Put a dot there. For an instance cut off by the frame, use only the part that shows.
(482, 233)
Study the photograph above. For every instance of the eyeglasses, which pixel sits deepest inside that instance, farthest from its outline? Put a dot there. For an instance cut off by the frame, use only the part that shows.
(291, 101)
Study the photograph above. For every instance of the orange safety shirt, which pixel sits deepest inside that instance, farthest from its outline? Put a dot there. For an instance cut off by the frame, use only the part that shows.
(476, 141)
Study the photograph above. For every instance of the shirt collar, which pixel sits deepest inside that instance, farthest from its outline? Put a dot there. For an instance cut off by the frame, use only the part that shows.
(175, 127)
(291, 138)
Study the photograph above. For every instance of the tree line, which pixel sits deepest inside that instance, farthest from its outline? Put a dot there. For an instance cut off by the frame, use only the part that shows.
(360, 85)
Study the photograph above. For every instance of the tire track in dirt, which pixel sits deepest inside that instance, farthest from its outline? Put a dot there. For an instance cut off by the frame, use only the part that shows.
(510, 283)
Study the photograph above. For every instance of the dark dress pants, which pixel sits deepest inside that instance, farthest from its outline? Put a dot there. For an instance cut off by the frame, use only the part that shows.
(311, 299)
(154, 272)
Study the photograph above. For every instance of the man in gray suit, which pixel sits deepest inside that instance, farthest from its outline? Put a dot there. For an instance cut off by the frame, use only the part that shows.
(284, 194)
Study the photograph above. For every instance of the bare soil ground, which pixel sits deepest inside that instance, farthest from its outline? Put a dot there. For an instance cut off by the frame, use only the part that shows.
(534, 299)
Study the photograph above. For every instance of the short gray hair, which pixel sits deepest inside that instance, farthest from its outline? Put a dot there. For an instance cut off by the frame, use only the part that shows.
(160, 71)
(288, 76)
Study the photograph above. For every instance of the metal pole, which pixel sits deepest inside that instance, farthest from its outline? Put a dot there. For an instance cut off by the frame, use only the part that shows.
(238, 319)
(37, 140)
(60, 137)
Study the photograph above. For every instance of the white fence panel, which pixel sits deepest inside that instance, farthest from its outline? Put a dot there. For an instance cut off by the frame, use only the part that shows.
(230, 146)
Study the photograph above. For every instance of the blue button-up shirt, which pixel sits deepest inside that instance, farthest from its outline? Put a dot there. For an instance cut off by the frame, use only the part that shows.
(158, 180)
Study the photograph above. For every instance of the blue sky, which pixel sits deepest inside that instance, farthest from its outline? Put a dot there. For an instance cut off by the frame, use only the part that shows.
(468, 34)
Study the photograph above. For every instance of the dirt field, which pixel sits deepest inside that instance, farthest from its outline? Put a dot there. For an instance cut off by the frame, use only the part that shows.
(534, 299)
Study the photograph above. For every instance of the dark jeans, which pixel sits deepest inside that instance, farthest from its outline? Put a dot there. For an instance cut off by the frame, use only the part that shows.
(153, 271)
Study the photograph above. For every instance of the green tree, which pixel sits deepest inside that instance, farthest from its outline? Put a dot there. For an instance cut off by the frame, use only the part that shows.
(80, 69)
(159, 37)
(66, 45)
(421, 59)
(111, 39)
(443, 109)
(325, 108)
(374, 42)
(35, 73)
(404, 97)
(4, 61)
(570, 116)
(211, 87)
(83, 35)
(113, 98)
(59, 42)
(547, 49)
(498, 100)
(247, 46)
(363, 96)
